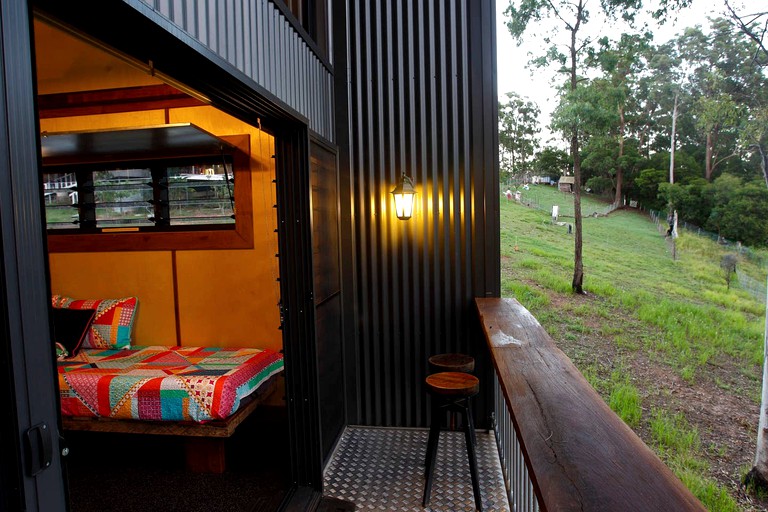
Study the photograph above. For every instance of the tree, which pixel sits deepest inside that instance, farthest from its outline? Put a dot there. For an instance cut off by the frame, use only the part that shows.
(551, 162)
(592, 107)
(518, 130)
(571, 15)
(744, 217)
(647, 188)
(728, 266)
(754, 24)
(621, 63)
(753, 138)
(724, 84)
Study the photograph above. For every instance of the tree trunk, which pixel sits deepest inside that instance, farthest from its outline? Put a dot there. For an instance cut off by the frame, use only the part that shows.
(708, 158)
(758, 475)
(619, 169)
(644, 142)
(578, 265)
(672, 144)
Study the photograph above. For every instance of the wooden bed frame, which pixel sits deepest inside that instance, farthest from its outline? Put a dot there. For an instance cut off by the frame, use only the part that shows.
(204, 442)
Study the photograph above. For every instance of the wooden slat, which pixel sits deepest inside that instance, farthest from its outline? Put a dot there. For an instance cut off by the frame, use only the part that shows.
(109, 101)
(580, 455)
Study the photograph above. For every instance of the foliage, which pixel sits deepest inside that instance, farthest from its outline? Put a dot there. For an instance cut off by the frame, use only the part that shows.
(518, 130)
(723, 86)
(552, 162)
(586, 109)
(624, 399)
(677, 443)
(622, 117)
(693, 199)
(647, 188)
(599, 184)
(734, 209)
(739, 210)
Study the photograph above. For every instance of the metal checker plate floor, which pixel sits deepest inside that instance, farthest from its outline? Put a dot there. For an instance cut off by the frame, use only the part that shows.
(383, 469)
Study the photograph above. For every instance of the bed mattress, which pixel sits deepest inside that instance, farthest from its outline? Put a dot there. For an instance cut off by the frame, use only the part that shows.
(163, 383)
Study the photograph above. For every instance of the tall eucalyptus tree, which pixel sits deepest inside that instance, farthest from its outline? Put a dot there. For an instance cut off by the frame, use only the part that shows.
(569, 16)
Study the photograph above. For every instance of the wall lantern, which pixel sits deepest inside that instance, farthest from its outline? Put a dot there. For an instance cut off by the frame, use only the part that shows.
(403, 194)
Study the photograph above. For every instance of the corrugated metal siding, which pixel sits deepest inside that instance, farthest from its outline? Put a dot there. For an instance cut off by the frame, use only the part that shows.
(255, 37)
(415, 107)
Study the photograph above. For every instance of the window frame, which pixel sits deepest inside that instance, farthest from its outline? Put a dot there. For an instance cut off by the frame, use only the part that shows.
(237, 236)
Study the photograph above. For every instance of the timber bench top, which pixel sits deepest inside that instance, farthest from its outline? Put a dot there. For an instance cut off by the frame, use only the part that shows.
(580, 455)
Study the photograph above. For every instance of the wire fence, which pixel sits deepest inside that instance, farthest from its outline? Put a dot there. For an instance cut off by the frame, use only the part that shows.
(565, 207)
(755, 287)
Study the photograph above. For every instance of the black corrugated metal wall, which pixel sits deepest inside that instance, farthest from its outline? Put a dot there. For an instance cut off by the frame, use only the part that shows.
(255, 37)
(422, 100)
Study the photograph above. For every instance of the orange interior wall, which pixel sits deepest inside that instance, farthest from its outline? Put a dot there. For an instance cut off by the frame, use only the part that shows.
(146, 275)
(240, 292)
(224, 298)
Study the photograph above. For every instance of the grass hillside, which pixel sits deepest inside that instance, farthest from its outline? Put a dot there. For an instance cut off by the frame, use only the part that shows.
(673, 351)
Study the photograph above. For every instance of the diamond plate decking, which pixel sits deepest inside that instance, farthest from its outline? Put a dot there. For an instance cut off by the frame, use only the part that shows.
(383, 469)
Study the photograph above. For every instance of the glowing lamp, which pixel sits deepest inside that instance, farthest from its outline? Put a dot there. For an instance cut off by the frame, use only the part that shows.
(403, 194)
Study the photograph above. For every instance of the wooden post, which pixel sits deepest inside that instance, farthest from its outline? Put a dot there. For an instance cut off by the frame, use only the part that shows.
(205, 454)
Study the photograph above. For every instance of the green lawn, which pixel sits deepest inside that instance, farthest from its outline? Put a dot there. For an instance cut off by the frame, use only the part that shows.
(642, 308)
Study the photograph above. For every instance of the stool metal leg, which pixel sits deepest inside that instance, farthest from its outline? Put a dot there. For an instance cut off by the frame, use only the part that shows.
(434, 439)
(469, 427)
(434, 432)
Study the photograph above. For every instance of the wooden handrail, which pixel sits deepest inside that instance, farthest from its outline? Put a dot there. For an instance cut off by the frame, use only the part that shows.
(580, 454)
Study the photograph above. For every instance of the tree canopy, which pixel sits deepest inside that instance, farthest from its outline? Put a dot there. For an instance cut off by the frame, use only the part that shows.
(616, 100)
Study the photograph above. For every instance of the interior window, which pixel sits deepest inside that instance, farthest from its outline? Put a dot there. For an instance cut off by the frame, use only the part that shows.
(161, 196)
(175, 185)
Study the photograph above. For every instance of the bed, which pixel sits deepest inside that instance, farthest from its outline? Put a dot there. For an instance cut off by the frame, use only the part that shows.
(200, 393)
(196, 384)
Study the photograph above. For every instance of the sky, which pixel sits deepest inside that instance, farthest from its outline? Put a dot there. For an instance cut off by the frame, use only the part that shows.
(513, 76)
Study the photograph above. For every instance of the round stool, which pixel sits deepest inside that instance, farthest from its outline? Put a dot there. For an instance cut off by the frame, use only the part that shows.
(452, 391)
(452, 363)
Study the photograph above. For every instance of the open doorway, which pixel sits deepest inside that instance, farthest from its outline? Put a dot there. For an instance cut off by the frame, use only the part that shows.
(159, 227)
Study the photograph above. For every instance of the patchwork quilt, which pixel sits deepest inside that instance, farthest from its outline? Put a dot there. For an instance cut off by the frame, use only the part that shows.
(163, 383)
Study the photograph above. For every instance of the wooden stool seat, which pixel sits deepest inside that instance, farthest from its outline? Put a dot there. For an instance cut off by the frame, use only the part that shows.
(452, 363)
(453, 384)
(452, 391)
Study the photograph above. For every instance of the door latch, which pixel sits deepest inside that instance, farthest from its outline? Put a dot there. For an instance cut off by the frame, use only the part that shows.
(39, 449)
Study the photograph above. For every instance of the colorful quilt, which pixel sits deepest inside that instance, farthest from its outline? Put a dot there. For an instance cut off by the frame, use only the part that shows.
(163, 383)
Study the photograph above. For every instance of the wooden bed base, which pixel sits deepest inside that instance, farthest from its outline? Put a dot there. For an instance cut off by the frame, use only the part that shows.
(204, 442)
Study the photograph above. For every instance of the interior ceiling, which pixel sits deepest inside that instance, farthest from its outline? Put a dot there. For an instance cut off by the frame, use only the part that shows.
(66, 63)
